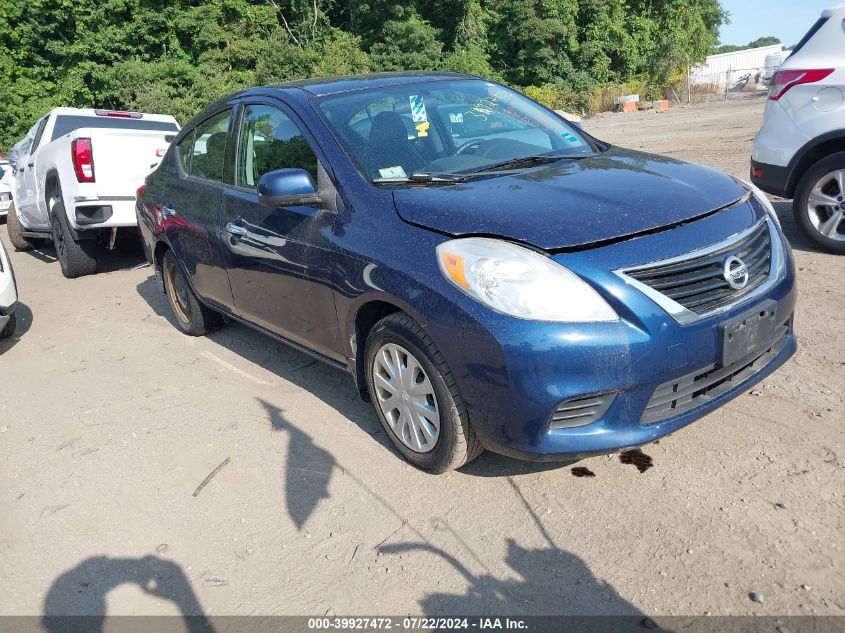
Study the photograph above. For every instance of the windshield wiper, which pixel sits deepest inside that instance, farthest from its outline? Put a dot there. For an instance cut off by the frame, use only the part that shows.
(421, 178)
(530, 161)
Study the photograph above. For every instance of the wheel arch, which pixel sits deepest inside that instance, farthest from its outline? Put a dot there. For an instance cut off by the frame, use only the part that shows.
(366, 316)
(816, 150)
(161, 247)
(52, 184)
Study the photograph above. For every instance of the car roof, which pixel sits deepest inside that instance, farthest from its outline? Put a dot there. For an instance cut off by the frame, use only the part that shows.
(322, 86)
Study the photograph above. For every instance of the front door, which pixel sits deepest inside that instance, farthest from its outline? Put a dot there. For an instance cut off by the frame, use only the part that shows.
(274, 254)
(191, 206)
(26, 183)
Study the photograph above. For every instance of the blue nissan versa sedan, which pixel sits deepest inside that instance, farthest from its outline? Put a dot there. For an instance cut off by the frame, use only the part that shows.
(491, 276)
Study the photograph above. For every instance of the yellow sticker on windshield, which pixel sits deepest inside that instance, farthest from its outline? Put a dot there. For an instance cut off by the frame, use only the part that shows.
(422, 129)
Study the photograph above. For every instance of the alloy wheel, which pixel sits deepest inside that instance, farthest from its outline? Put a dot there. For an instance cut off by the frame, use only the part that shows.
(406, 397)
(826, 205)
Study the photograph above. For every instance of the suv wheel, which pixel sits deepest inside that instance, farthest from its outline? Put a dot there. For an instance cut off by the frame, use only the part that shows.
(192, 317)
(76, 257)
(14, 228)
(819, 203)
(416, 398)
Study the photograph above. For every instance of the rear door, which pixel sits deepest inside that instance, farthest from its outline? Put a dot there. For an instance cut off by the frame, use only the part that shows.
(278, 266)
(191, 204)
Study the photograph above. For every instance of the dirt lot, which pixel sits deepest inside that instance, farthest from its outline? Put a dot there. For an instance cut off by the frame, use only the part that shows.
(110, 419)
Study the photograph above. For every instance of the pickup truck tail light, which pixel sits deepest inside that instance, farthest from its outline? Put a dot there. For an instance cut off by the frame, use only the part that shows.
(83, 159)
(783, 80)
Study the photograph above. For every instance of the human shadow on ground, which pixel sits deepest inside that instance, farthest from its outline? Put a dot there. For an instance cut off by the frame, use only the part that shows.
(76, 601)
(308, 469)
(544, 581)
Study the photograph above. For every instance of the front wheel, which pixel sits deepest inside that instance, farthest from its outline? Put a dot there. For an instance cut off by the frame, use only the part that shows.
(416, 397)
(76, 257)
(14, 229)
(819, 203)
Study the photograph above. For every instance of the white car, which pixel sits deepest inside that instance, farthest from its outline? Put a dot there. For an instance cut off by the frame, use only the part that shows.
(799, 152)
(76, 174)
(7, 179)
(8, 295)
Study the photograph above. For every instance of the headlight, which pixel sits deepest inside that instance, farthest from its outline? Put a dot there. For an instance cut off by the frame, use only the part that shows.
(519, 282)
(764, 200)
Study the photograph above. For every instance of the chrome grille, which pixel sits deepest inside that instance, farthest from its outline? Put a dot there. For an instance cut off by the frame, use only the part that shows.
(695, 285)
(687, 392)
(581, 411)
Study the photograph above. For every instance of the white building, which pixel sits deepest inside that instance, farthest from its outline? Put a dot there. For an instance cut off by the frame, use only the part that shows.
(716, 68)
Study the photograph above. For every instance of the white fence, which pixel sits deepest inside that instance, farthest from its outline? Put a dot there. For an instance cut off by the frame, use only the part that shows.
(724, 69)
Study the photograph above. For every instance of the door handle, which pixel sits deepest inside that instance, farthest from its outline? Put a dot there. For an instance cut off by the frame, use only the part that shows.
(234, 229)
(167, 212)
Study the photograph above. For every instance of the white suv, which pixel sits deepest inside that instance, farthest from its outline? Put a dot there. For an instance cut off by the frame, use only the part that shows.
(799, 152)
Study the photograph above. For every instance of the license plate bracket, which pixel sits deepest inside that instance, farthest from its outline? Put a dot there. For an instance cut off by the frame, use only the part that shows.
(743, 335)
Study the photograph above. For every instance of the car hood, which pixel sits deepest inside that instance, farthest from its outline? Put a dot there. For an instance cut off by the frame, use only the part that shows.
(573, 203)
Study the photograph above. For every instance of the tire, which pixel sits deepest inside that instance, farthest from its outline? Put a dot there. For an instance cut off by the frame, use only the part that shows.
(14, 228)
(191, 315)
(813, 221)
(11, 324)
(456, 443)
(77, 258)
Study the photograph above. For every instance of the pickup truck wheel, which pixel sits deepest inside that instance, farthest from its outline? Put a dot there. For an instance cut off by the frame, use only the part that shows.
(7, 331)
(819, 203)
(416, 397)
(76, 257)
(192, 316)
(14, 228)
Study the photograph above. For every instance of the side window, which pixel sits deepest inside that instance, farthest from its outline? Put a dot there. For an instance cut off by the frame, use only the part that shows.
(270, 140)
(209, 152)
(38, 133)
(184, 152)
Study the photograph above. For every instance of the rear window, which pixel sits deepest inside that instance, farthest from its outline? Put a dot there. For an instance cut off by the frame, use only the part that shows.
(813, 30)
(69, 123)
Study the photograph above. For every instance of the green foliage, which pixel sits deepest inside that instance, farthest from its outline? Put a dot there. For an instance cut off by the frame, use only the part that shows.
(175, 57)
(769, 40)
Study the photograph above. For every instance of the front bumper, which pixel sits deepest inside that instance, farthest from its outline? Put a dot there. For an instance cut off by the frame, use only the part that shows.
(514, 374)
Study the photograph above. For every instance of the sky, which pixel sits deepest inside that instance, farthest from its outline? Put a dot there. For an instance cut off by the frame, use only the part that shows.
(787, 19)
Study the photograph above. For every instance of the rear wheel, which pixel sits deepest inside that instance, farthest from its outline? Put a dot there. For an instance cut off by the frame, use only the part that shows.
(819, 203)
(9, 329)
(14, 228)
(191, 315)
(75, 256)
(416, 397)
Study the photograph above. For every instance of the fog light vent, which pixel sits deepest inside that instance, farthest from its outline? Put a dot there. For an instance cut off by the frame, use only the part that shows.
(581, 411)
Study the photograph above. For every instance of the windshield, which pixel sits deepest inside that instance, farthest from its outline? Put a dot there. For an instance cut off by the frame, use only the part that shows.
(445, 127)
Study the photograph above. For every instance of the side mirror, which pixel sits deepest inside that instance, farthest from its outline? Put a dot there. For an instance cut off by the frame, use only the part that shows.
(286, 187)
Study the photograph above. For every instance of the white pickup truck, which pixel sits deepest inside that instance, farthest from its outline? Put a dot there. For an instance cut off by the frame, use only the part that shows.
(75, 177)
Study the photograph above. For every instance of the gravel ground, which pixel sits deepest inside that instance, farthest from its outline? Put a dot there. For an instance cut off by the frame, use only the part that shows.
(110, 420)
